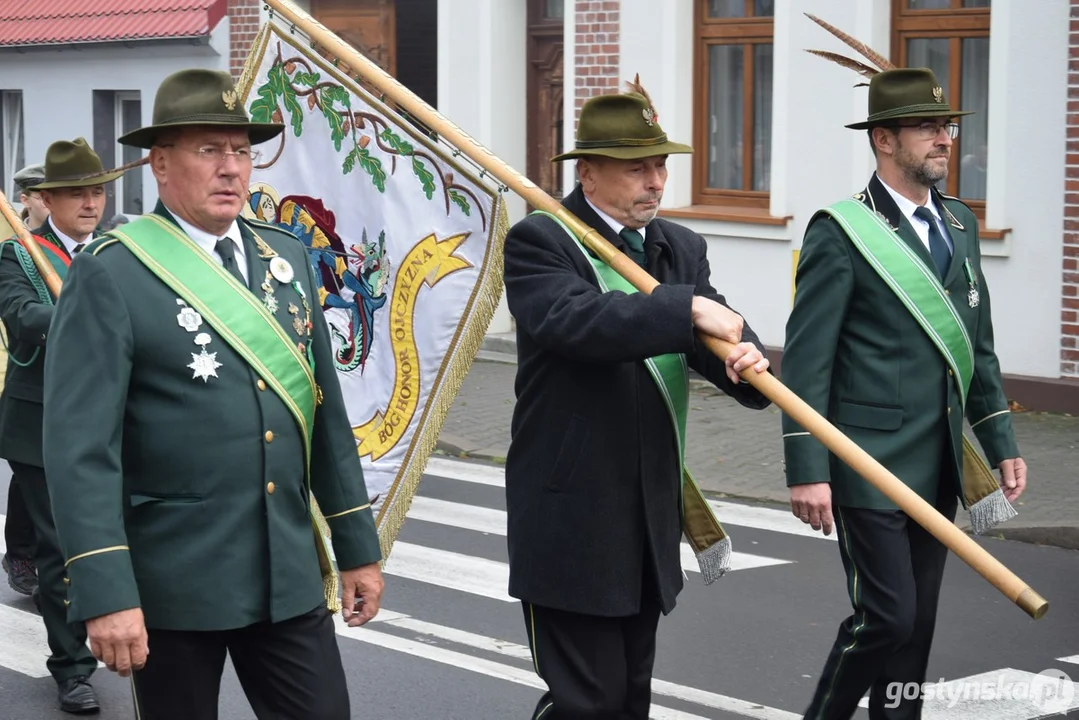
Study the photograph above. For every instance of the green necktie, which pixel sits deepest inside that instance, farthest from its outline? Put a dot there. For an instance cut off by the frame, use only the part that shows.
(635, 240)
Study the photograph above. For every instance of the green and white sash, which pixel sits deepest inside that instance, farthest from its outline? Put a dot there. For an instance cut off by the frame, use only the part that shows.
(918, 287)
(246, 325)
(710, 543)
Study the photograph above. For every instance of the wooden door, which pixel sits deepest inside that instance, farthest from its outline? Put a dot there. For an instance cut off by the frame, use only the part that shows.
(545, 94)
(370, 26)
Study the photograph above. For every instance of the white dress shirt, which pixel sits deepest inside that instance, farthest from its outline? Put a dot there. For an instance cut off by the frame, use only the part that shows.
(615, 225)
(208, 241)
(69, 244)
(920, 226)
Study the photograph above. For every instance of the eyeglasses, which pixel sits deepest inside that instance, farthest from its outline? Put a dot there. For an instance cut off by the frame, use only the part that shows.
(216, 155)
(929, 129)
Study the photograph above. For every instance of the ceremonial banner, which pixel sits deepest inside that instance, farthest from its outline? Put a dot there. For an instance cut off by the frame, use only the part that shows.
(405, 242)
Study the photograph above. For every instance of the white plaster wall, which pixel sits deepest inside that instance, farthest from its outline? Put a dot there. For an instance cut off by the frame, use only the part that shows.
(482, 86)
(644, 35)
(58, 85)
(1028, 60)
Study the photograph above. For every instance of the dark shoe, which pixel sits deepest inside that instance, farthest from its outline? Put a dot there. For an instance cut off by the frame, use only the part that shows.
(77, 696)
(21, 574)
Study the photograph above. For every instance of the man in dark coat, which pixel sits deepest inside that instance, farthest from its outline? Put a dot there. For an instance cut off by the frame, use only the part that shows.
(75, 207)
(594, 472)
(195, 438)
(866, 352)
(19, 537)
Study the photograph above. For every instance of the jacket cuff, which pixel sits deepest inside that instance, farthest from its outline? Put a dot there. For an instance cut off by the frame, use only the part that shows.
(995, 435)
(355, 540)
(100, 582)
(806, 459)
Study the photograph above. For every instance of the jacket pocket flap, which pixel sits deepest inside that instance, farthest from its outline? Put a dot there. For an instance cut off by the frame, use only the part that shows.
(24, 391)
(874, 417)
(143, 498)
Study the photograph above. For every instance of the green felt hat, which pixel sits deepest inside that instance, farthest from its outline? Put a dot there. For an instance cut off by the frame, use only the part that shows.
(74, 164)
(199, 98)
(905, 93)
(624, 126)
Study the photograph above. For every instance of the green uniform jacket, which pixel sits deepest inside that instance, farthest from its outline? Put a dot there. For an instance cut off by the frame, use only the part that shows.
(27, 321)
(857, 356)
(186, 496)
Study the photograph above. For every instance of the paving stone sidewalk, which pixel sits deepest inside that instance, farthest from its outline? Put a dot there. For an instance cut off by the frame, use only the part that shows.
(736, 452)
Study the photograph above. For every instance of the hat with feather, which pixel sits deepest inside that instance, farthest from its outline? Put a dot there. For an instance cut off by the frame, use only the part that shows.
(624, 126)
(894, 93)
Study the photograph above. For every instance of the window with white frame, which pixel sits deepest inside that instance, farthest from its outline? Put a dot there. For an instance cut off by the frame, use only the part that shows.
(12, 155)
(117, 112)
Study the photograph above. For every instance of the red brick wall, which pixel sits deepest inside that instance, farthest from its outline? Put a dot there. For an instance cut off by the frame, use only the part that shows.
(596, 49)
(1069, 319)
(243, 26)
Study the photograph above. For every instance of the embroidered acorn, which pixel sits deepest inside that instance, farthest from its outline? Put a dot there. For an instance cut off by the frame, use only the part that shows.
(290, 67)
(276, 115)
(449, 179)
(311, 101)
(365, 140)
(347, 127)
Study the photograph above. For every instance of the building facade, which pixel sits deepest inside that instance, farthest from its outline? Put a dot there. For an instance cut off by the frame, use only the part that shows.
(731, 77)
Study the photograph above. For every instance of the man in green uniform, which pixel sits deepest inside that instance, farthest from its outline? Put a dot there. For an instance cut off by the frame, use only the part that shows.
(891, 339)
(75, 206)
(190, 440)
(18, 560)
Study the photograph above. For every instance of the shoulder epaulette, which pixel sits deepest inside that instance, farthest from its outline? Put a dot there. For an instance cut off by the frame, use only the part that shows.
(98, 244)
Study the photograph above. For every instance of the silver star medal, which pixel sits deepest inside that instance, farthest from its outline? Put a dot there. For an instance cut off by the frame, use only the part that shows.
(204, 364)
(973, 299)
(270, 302)
(281, 270)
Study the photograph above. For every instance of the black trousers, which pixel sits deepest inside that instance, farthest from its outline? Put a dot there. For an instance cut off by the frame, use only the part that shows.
(70, 656)
(596, 668)
(289, 670)
(18, 528)
(894, 571)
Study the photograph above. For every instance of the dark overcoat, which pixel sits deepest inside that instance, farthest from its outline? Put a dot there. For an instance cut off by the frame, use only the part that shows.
(593, 473)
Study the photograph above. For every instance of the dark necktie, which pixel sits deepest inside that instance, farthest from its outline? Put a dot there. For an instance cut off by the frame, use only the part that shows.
(227, 250)
(938, 246)
(77, 250)
(635, 240)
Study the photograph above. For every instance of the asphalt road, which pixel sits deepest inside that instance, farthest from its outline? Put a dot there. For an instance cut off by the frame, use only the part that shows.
(451, 644)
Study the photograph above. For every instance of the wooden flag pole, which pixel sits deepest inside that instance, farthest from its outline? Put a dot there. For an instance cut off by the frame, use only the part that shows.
(910, 502)
(44, 267)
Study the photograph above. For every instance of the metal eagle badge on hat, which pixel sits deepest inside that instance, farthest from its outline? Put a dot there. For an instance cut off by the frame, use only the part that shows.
(281, 270)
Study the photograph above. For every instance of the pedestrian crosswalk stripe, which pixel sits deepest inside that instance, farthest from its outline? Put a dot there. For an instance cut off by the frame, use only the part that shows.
(509, 673)
(728, 513)
(455, 571)
(26, 646)
(493, 522)
(521, 652)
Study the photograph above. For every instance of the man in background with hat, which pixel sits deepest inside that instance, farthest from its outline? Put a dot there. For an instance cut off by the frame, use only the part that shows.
(891, 339)
(34, 211)
(73, 192)
(19, 538)
(194, 538)
(594, 476)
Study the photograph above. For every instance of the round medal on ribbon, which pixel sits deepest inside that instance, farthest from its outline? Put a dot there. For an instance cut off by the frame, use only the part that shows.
(281, 270)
